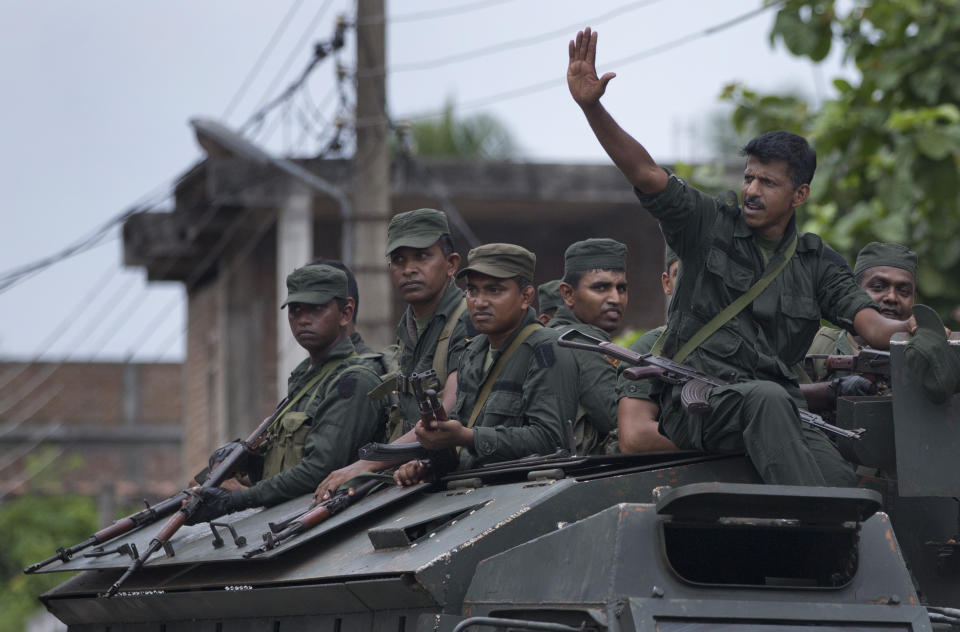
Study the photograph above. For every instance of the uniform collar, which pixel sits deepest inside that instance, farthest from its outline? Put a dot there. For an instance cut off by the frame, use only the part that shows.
(565, 316)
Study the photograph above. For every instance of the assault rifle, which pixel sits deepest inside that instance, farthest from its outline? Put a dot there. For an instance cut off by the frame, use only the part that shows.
(430, 409)
(696, 385)
(871, 362)
(310, 518)
(220, 472)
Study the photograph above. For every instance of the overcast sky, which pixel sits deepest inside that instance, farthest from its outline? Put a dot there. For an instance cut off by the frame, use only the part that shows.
(97, 96)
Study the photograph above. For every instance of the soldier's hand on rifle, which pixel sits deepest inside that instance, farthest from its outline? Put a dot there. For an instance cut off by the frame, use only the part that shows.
(328, 486)
(585, 86)
(443, 434)
(851, 386)
(413, 472)
(216, 502)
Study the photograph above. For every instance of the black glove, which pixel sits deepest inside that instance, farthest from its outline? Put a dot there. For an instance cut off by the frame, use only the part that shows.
(851, 386)
(215, 502)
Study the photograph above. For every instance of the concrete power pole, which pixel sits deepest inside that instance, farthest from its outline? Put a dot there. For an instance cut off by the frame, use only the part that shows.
(371, 169)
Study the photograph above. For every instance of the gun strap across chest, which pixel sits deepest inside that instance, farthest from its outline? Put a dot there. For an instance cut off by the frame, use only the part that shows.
(733, 308)
(443, 342)
(321, 375)
(495, 372)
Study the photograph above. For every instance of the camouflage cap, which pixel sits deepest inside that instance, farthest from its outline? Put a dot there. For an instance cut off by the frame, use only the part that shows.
(315, 284)
(931, 358)
(416, 229)
(548, 296)
(885, 254)
(503, 261)
(599, 253)
(669, 258)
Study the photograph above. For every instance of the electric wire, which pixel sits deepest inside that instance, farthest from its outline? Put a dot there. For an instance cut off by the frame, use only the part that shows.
(522, 42)
(431, 14)
(264, 54)
(622, 61)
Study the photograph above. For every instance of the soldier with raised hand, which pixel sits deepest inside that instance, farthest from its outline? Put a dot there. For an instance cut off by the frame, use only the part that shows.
(327, 415)
(433, 331)
(753, 292)
(594, 293)
(637, 408)
(515, 387)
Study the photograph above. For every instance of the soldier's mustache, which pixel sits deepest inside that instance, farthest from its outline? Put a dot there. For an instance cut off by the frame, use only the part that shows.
(753, 201)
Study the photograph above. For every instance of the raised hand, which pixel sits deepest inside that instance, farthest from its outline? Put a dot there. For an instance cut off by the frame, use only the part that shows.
(585, 86)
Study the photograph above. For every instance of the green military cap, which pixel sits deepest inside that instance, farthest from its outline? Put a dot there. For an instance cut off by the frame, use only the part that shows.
(503, 261)
(885, 254)
(416, 229)
(595, 254)
(931, 358)
(548, 296)
(315, 284)
(669, 258)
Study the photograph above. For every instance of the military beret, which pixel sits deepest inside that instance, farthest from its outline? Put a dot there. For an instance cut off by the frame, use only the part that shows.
(931, 358)
(595, 254)
(503, 261)
(416, 229)
(548, 296)
(885, 254)
(669, 258)
(315, 284)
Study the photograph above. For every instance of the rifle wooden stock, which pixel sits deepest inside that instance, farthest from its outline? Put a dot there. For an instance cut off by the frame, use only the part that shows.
(696, 385)
(313, 516)
(221, 472)
(390, 452)
(120, 527)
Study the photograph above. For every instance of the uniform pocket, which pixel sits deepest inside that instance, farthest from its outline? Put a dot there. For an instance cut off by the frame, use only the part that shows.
(799, 325)
(287, 448)
(503, 408)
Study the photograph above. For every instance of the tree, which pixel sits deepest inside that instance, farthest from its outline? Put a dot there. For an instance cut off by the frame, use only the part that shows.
(479, 136)
(888, 145)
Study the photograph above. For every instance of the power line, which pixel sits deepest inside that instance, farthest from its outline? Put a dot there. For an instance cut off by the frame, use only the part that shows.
(623, 61)
(522, 42)
(262, 110)
(432, 14)
(258, 65)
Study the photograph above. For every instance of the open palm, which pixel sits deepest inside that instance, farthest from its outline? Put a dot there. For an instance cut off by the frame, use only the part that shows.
(585, 86)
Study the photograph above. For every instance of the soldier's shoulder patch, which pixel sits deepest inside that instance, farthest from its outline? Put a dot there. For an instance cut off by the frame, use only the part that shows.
(347, 386)
(545, 355)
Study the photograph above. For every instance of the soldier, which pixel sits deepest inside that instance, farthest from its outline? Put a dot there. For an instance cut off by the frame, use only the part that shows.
(548, 300)
(888, 273)
(515, 386)
(376, 361)
(433, 331)
(729, 255)
(594, 292)
(327, 415)
(637, 409)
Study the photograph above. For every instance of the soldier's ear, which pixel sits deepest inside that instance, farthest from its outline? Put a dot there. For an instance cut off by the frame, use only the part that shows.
(566, 293)
(800, 195)
(453, 263)
(346, 312)
(527, 294)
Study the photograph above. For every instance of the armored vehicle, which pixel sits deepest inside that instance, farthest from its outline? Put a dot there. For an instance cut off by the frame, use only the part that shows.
(667, 541)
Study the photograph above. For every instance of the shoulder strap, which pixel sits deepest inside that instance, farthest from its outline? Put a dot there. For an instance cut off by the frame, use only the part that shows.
(658, 345)
(495, 372)
(443, 343)
(353, 368)
(735, 307)
(321, 375)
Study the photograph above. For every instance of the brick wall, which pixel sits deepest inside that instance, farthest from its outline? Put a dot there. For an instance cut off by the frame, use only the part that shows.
(81, 426)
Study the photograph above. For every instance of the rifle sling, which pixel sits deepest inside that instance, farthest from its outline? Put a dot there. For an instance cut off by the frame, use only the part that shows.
(495, 372)
(732, 309)
(324, 372)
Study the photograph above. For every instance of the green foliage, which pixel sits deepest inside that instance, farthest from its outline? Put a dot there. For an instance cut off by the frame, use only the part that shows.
(889, 145)
(31, 528)
(479, 136)
(628, 337)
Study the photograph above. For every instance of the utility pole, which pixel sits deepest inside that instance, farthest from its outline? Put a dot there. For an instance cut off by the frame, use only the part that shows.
(371, 171)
